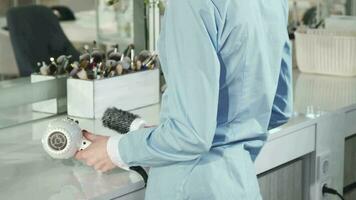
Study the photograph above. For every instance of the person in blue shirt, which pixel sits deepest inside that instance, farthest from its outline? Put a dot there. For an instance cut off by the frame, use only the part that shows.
(227, 64)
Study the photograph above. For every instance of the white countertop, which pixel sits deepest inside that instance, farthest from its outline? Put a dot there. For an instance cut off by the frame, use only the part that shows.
(27, 172)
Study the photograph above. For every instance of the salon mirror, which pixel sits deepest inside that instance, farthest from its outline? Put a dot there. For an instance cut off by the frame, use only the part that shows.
(21, 95)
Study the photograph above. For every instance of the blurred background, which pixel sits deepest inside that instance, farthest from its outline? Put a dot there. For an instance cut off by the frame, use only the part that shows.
(81, 22)
(36, 37)
(35, 33)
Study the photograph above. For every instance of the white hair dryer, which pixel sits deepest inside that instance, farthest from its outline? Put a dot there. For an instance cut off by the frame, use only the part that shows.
(63, 138)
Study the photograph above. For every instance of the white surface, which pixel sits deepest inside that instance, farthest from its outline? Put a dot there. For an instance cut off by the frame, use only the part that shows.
(8, 64)
(51, 106)
(27, 172)
(90, 99)
(80, 96)
(77, 5)
(326, 52)
(20, 114)
(280, 150)
(83, 29)
(14, 83)
(341, 23)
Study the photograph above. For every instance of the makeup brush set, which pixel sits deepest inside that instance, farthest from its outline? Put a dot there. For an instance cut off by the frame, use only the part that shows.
(95, 64)
(59, 66)
(116, 78)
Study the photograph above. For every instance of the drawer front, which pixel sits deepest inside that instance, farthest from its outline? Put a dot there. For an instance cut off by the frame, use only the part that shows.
(286, 148)
(351, 123)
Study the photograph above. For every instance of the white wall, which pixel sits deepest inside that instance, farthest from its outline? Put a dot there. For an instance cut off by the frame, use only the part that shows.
(75, 5)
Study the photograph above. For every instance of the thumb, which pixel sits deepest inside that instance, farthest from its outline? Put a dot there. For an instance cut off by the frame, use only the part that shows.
(89, 136)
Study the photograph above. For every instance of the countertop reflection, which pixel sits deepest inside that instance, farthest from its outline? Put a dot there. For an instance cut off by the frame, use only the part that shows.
(20, 114)
(315, 95)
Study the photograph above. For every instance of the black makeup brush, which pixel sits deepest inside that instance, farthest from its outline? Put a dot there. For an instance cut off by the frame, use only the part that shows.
(110, 63)
(115, 48)
(142, 57)
(84, 56)
(63, 64)
(97, 56)
(70, 67)
(150, 62)
(115, 56)
(52, 67)
(128, 50)
(109, 67)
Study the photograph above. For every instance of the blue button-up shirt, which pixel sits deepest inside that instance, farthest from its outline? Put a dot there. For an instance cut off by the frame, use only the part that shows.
(227, 65)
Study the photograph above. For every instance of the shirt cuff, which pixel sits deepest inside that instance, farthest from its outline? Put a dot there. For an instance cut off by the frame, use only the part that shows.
(114, 152)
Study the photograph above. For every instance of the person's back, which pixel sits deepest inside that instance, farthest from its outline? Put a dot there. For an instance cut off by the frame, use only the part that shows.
(252, 60)
(222, 60)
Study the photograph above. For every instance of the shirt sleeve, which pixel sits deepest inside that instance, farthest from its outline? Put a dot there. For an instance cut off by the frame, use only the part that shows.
(283, 102)
(113, 152)
(192, 72)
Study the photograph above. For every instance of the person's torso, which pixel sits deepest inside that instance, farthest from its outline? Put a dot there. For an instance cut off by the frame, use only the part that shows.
(250, 40)
(256, 32)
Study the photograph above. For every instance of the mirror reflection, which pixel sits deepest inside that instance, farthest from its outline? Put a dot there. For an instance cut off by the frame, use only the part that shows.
(43, 42)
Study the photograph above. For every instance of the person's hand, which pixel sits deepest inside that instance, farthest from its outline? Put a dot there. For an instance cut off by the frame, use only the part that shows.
(96, 155)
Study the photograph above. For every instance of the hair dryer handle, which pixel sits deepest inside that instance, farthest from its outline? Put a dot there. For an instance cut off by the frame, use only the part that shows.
(85, 144)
